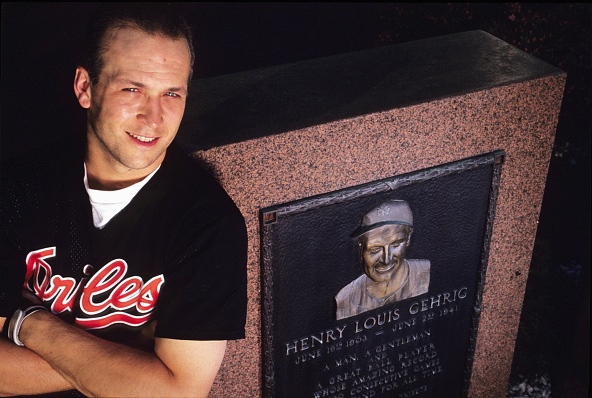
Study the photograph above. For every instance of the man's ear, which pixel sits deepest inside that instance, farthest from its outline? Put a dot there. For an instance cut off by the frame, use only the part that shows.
(82, 87)
(409, 236)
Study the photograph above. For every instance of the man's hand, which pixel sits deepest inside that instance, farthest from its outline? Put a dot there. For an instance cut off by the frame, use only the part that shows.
(27, 299)
(29, 305)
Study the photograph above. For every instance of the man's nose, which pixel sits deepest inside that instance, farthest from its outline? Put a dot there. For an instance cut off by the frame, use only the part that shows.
(151, 112)
(386, 254)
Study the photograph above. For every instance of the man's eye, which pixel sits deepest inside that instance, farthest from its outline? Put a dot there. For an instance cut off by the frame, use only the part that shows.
(171, 94)
(374, 250)
(131, 89)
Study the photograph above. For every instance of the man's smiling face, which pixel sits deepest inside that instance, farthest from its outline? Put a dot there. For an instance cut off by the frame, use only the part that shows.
(137, 105)
(384, 251)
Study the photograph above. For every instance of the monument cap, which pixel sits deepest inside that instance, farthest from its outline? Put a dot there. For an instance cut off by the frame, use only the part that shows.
(389, 212)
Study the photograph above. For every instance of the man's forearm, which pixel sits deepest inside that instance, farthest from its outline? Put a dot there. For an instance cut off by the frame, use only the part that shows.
(22, 372)
(98, 367)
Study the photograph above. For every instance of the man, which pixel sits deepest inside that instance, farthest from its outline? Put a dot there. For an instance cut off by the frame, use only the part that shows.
(383, 238)
(123, 263)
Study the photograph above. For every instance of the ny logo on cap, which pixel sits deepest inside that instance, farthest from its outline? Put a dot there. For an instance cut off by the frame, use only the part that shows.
(383, 210)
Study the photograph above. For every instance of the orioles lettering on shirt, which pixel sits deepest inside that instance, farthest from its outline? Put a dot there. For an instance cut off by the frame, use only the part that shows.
(124, 293)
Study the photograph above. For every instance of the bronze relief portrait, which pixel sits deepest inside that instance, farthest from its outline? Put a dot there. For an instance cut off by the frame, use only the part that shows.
(383, 238)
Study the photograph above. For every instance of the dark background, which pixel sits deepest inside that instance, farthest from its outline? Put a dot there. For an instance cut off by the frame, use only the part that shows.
(39, 41)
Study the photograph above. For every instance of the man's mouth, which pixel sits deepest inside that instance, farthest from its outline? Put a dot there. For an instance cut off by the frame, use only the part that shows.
(382, 268)
(141, 138)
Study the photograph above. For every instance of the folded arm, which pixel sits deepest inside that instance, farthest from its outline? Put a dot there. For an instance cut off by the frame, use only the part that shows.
(22, 372)
(101, 368)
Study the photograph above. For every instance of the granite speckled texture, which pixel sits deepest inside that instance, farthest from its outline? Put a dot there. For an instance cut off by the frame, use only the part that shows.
(516, 115)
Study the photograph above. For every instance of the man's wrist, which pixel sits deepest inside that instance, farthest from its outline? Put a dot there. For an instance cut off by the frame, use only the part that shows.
(16, 322)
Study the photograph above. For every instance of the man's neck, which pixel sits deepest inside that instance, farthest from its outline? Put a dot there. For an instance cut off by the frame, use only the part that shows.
(104, 181)
(104, 177)
(110, 185)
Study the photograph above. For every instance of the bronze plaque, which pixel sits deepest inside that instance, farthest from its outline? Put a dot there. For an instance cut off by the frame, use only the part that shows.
(375, 290)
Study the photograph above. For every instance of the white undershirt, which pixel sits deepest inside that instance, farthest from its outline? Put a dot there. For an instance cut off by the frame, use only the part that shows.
(106, 204)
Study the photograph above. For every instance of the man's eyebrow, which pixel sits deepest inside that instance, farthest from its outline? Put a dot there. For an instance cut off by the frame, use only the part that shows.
(176, 89)
(130, 83)
(142, 85)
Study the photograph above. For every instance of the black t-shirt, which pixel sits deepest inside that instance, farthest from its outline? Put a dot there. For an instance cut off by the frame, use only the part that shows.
(176, 254)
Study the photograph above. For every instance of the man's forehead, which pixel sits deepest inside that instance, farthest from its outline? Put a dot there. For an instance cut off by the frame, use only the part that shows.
(130, 50)
(128, 34)
(386, 233)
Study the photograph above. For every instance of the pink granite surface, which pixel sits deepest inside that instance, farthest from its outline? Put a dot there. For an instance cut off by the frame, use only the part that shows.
(519, 118)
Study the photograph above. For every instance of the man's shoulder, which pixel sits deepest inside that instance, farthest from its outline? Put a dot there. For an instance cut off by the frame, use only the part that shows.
(419, 276)
(192, 186)
(419, 264)
(186, 171)
(44, 165)
(351, 288)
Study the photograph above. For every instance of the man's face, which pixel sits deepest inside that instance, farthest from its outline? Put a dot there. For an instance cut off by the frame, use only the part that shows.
(137, 105)
(384, 251)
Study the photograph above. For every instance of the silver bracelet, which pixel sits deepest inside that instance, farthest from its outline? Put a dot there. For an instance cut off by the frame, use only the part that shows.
(14, 327)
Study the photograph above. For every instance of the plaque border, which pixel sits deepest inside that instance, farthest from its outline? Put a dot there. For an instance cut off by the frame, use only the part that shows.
(273, 214)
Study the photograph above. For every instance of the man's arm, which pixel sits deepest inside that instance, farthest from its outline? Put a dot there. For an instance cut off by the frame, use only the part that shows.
(101, 368)
(22, 372)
